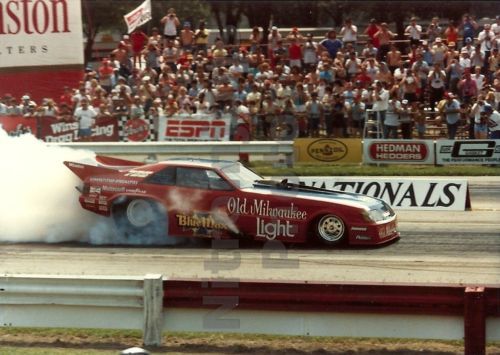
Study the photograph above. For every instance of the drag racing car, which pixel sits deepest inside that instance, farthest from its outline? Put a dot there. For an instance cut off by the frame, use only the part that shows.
(224, 199)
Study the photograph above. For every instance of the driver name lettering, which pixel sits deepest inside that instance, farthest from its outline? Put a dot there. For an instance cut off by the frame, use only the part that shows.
(263, 208)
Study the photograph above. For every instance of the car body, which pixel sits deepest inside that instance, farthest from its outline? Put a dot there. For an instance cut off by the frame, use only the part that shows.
(224, 199)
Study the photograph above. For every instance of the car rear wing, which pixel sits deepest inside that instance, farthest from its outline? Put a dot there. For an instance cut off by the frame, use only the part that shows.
(101, 166)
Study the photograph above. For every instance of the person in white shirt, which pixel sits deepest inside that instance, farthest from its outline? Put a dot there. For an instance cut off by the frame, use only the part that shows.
(85, 116)
(349, 33)
(170, 24)
(380, 97)
(493, 118)
(414, 31)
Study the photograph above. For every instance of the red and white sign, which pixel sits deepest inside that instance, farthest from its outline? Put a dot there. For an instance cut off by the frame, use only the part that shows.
(139, 16)
(398, 151)
(41, 46)
(16, 125)
(195, 128)
(136, 130)
(53, 130)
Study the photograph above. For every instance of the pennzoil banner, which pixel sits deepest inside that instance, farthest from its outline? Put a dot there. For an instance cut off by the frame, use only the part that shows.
(328, 150)
(197, 127)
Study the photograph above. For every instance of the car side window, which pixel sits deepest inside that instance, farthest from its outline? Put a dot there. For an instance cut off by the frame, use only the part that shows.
(192, 177)
(165, 176)
(216, 182)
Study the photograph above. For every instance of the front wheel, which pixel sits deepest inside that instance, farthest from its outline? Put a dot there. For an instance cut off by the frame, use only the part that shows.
(141, 221)
(331, 230)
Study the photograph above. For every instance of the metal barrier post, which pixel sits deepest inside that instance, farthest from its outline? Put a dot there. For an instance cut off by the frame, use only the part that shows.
(474, 321)
(153, 310)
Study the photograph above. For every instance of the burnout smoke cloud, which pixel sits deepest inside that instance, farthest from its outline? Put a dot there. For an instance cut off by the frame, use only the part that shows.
(39, 202)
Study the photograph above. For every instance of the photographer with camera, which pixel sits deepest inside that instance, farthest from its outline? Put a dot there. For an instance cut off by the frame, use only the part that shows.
(170, 24)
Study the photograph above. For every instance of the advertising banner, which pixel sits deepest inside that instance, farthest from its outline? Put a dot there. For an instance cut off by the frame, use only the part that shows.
(198, 127)
(398, 151)
(41, 47)
(53, 130)
(470, 151)
(16, 125)
(328, 150)
(139, 16)
(401, 193)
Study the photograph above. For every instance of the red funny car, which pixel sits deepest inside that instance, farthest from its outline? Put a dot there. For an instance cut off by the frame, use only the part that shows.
(224, 199)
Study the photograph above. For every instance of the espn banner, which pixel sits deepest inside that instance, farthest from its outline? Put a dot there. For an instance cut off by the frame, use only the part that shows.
(471, 151)
(197, 127)
(401, 193)
(327, 150)
(398, 151)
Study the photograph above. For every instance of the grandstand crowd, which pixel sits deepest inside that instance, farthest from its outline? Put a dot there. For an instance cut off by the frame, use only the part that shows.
(447, 74)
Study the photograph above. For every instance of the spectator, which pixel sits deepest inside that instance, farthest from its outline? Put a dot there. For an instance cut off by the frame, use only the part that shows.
(405, 119)
(295, 35)
(272, 41)
(451, 111)
(479, 120)
(414, 31)
(106, 75)
(369, 50)
(438, 51)
(371, 30)
(418, 111)
(468, 27)
(85, 116)
(393, 58)
(170, 24)
(295, 53)
(486, 38)
(201, 38)
(451, 32)
(349, 33)
(331, 43)
(436, 78)
(391, 122)
(493, 118)
(187, 38)
(384, 36)
(467, 88)
(380, 97)
(434, 30)
(357, 113)
(139, 41)
(49, 109)
(314, 110)
(255, 39)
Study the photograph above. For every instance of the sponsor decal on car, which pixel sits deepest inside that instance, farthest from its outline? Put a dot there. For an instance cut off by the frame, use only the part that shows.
(197, 220)
(139, 173)
(275, 228)
(263, 208)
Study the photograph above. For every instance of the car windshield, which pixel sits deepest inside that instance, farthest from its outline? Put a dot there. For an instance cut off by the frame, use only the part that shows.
(240, 176)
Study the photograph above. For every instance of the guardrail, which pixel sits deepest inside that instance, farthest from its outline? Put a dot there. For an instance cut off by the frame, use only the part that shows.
(288, 308)
(160, 150)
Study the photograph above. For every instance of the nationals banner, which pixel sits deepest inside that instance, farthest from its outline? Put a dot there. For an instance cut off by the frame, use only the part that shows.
(402, 193)
(197, 127)
(53, 130)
